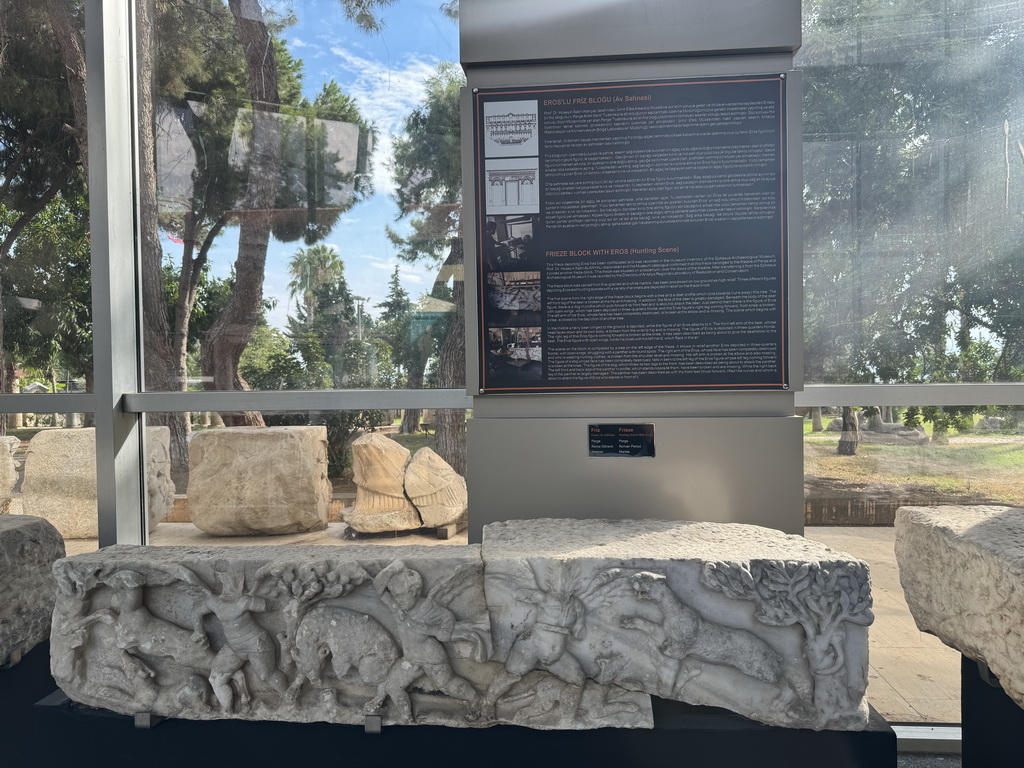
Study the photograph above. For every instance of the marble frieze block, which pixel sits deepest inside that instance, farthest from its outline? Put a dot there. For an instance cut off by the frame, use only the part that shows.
(296, 633)
(771, 626)
(28, 547)
(548, 624)
(962, 571)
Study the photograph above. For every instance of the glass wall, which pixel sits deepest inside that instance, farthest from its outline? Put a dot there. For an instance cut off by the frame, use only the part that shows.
(914, 191)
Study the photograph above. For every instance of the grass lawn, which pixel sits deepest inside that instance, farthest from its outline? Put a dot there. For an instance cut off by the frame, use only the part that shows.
(972, 467)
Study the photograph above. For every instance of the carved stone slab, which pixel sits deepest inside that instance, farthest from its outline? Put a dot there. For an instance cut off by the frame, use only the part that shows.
(550, 624)
(28, 548)
(8, 470)
(60, 479)
(250, 481)
(437, 490)
(962, 570)
(296, 633)
(771, 626)
(378, 469)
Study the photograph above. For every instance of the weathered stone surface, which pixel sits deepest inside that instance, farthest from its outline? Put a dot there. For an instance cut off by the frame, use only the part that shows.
(28, 548)
(378, 469)
(550, 624)
(60, 479)
(295, 633)
(251, 481)
(159, 485)
(962, 571)
(771, 626)
(8, 469)
(436, 490)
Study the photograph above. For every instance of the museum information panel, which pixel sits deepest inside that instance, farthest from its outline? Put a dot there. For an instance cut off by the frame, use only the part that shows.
(632, 235)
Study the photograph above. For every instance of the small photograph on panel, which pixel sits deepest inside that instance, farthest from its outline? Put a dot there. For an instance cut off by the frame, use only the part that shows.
(508, 244)
(514, 290)
(512, 186)
(514, 355)
(510, 129)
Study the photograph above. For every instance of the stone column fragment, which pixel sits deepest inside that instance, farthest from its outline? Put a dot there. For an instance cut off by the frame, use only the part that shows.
(378, 467)
(437, 490)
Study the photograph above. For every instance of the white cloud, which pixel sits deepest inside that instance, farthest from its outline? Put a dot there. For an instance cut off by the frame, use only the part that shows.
(386, 94)
(296, 42)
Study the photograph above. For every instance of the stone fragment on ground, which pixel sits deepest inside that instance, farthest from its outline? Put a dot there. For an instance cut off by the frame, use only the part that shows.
(436, 490)
(549, 624)
(251, 481)
(962, 571)
(28, 548)
(60, 479)
(378, 468)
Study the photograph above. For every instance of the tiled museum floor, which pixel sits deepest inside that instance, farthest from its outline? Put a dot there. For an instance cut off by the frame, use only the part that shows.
(912, 678)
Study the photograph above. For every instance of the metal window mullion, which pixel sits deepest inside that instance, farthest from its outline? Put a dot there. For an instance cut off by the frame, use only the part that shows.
(110, 67)
(911, 394)
(297, 400)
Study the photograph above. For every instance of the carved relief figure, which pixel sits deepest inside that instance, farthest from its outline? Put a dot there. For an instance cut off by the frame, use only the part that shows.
(558, 616)
(245, 640)
(688, 637)
(348, 639)
(423, 623)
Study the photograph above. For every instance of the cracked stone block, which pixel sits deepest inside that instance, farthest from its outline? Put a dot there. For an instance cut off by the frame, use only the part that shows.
(378, 469)
(437, 491)
(28, 548)
(962, 571)
(253, 481)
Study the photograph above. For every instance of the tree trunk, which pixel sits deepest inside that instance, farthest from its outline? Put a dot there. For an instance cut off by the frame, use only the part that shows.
(224, 343)
(816, 425)
(450, 423)
(72, 49)
(851, 433)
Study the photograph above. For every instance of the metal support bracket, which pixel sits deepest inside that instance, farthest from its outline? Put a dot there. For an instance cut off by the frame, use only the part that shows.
(373, 724)
(147, 720)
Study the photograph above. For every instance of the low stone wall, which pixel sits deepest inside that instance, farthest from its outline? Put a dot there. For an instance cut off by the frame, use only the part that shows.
(547, 624)
(962, 571)
(28, 548)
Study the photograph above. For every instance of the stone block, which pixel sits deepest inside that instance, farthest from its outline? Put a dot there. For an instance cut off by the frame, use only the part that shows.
(28, 548)
(60, 479)
(252, 481)
(378, 469)
(962, 571)
(436, 490)
(8, 469)
(567, 624)
(769, 625)
(295, 633)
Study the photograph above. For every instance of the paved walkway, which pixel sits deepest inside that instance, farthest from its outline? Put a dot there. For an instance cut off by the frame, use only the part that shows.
(913, 677)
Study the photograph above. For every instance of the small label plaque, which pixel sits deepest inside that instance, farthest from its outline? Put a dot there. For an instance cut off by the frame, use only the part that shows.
(629, 440)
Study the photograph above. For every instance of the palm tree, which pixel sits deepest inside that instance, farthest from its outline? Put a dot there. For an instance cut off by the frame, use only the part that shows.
(311, 268)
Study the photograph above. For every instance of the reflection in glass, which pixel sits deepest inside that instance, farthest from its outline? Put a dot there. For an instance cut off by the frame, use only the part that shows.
(45, 275)
(300, 479)
(914, 192)
(300, 209)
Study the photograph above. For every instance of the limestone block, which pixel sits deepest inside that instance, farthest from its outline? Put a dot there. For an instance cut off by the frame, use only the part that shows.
(296, 633)
(962, 571)
(251, 481)
(437, 490)
(60, 479)
(771, 626)
(378, 468)
(28, 548)
(8, 469)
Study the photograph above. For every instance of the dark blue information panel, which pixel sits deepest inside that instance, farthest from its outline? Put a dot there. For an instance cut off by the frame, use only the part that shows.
(632, 235)
(630, 440)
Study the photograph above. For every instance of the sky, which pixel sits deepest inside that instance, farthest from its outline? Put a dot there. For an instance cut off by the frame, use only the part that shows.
(385, 74)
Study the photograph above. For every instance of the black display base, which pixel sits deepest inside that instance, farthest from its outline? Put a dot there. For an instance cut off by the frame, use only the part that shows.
(683, 735)
(992, 722)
